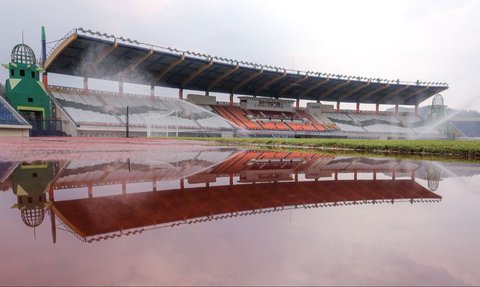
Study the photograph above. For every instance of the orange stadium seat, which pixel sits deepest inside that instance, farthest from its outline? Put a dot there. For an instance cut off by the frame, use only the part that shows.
(317, 125)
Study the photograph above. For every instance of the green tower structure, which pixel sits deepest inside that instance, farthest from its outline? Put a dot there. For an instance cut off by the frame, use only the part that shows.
(438, 108)
(24, 90)
(437, 114)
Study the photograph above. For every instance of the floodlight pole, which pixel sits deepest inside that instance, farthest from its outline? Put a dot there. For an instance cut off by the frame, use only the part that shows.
(127, 131)
(176, 123)
(44, 57)
(166, 125)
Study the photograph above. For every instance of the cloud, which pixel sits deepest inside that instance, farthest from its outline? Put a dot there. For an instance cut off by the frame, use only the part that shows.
(426, 40)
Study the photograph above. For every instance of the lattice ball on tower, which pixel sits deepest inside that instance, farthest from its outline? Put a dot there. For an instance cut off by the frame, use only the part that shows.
(33, 217)
(433, 185)
(23, 54)
(437, 100)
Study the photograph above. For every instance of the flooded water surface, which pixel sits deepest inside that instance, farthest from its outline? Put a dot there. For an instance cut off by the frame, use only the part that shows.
(229, 216)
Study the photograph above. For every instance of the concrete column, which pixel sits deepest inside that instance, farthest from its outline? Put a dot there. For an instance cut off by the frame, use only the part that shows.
(53, 226)
(231, 179)
(152, 90)
(336, 175)
(180, 94)
(358, 107)
(355, 175)
(416, 109)
(374, 175)
(393, 175)
(231, 100)
(296, 176)
(338, 106)
(120, 87)
(85, 85)
(90, 191)
(377, 108)
(124, 188)
(297, 103)
(154, 185)
(207, 93)
(413, 175)
(51, 196)
(182, 183)
(45, 80)
(396, 109)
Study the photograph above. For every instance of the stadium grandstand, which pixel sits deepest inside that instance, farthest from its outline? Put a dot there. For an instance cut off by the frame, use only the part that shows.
(104, 113)
(465, 128)
(11, 122)
(269, 97)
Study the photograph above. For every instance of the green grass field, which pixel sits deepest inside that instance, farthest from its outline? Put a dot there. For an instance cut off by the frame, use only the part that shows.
(441, 148)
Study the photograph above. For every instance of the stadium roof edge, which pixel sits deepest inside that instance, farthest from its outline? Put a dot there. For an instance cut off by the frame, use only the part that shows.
(92, 54)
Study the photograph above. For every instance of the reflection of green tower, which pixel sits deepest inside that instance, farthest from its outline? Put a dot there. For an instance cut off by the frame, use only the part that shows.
(24, 90)
(30, 183)
(434, 175)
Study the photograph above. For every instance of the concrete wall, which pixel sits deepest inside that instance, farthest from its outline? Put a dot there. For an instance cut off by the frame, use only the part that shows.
(318, 108)
(68, 126)
(14, 131)
(201, 99)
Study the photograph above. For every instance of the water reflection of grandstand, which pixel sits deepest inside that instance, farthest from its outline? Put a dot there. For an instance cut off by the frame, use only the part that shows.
(166, 166)
(246, 183)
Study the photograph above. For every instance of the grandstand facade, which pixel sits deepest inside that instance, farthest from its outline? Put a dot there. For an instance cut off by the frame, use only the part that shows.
(99, 113)
(269, 102)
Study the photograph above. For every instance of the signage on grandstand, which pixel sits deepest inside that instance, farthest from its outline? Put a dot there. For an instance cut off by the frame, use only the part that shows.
(254, 103)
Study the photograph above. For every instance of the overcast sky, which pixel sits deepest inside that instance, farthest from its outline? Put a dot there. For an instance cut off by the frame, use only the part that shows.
(435, 41)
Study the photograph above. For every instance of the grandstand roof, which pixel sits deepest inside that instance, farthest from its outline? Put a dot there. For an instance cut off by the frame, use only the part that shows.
(100, 215)
(98, 55)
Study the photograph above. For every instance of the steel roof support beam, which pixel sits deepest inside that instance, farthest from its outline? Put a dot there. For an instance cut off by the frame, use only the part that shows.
(414, 94)
(131, 68)
(298, 81)
(196, 73)
(354, 91)
(223, 77)
(393, 94)
(105, 53)
(315, 86)
(244, 82)
(59, 50)
(167, 69)
(334, 89)
(272, 81)
(377, 90)
(90, 67)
